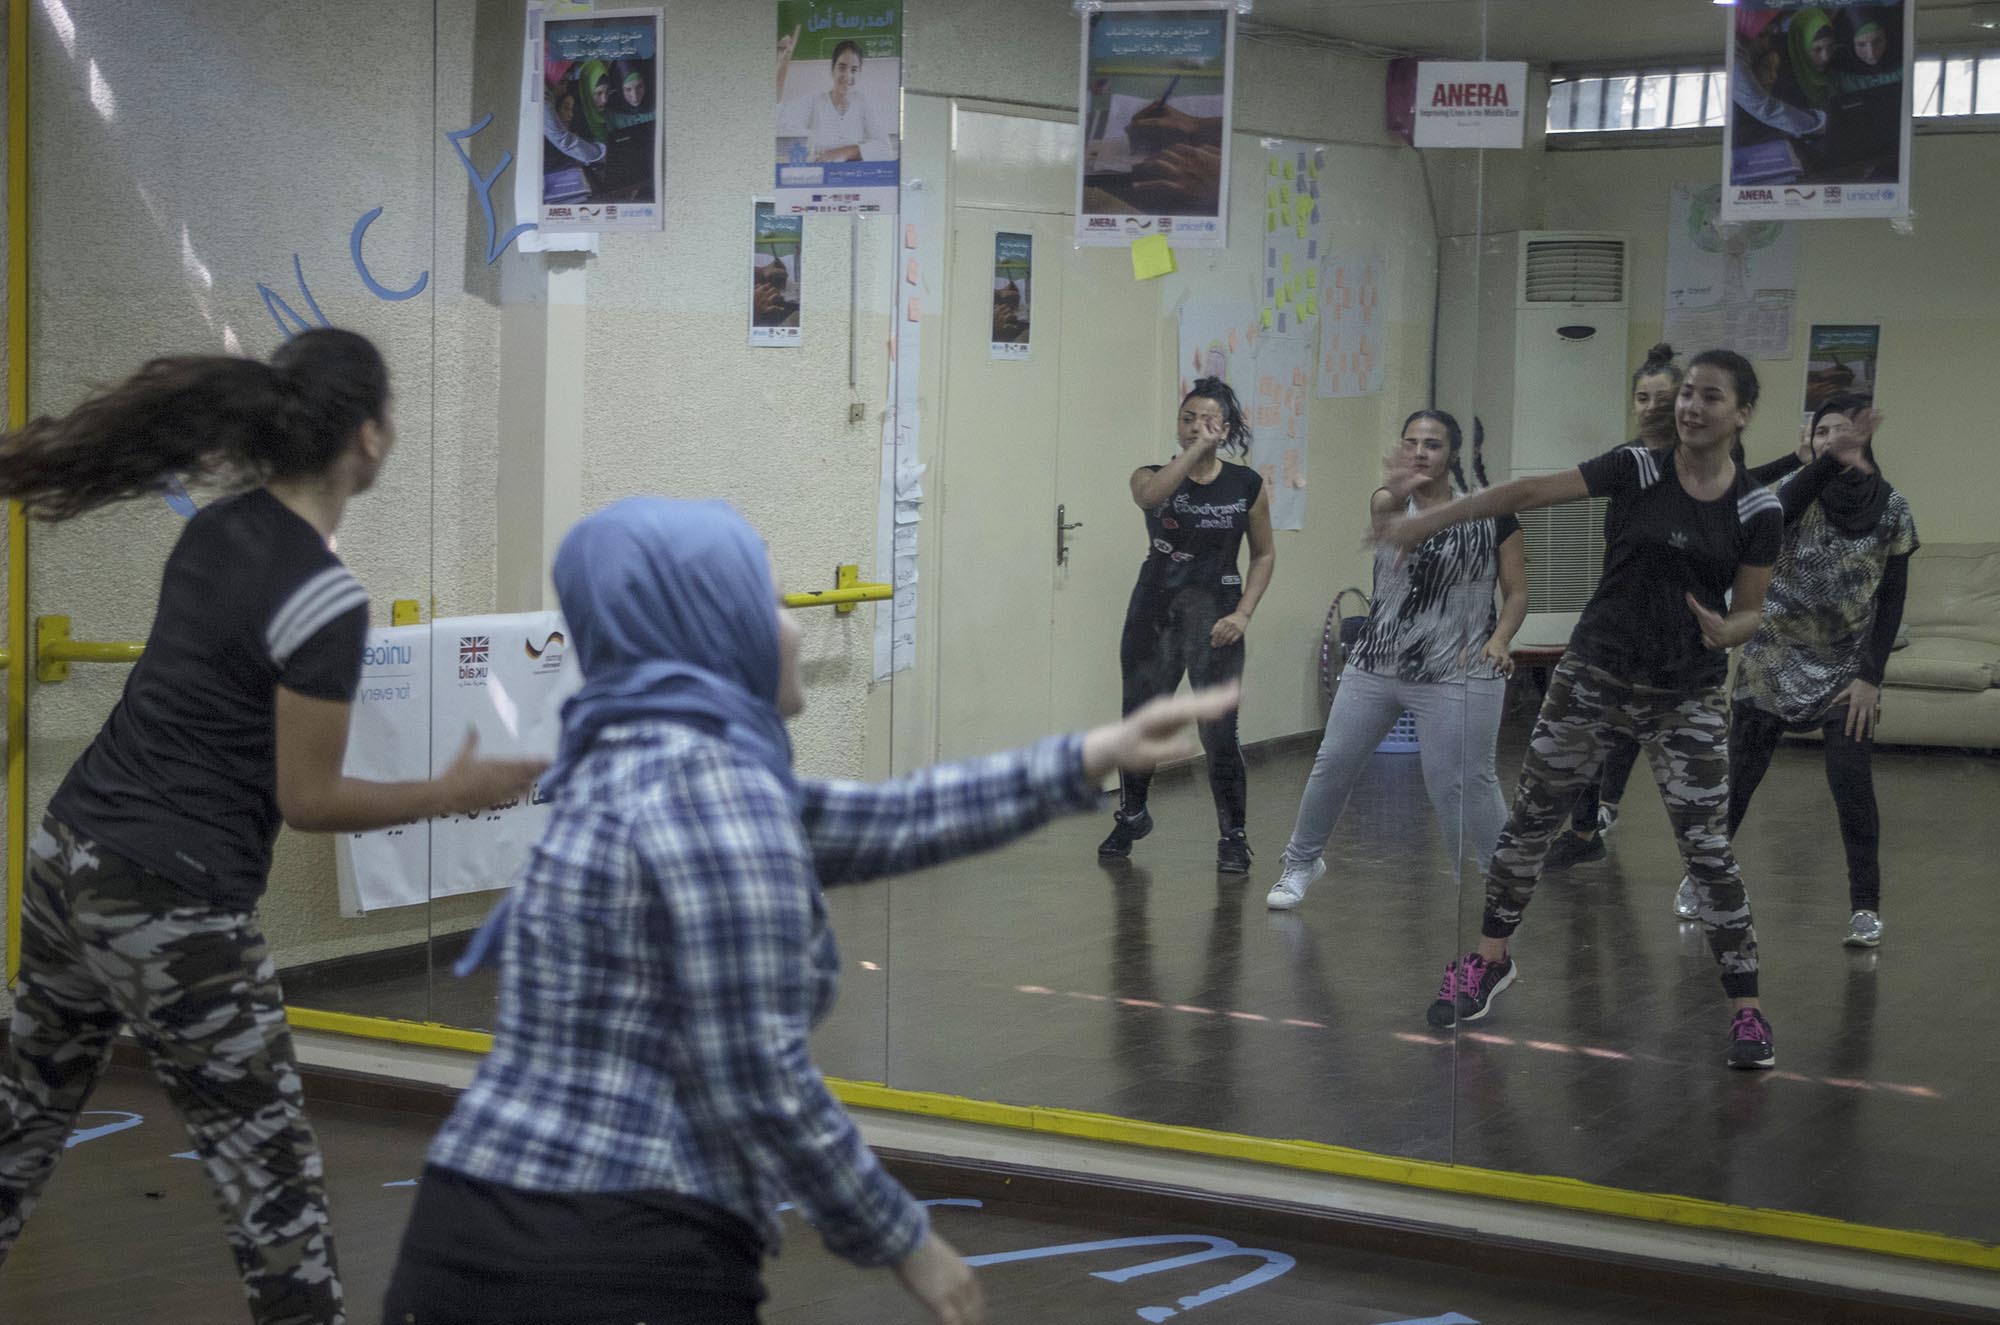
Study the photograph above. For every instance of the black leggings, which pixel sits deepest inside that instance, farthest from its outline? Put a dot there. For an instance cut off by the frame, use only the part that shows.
(1608, 788)
(1160, 645)
(1753, 739)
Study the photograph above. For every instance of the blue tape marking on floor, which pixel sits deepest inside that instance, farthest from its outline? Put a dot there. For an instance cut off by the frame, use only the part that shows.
(126, 1121)
(1449, 1318)
(1275, 1264)
(185, 1154)
(407, 1182)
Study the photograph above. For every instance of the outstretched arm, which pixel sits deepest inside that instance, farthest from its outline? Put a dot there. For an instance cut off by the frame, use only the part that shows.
(1510, 498)
(861, 831)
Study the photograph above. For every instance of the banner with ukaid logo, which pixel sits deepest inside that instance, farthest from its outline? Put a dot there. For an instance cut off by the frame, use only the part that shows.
(424, 688)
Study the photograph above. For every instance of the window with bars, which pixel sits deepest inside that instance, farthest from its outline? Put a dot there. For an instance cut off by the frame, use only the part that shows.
(1642, 100)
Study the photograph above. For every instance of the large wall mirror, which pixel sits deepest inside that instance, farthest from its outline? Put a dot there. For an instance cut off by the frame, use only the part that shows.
(1253, 943)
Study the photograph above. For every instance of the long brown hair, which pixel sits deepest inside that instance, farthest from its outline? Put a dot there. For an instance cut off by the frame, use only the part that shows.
(200, 416)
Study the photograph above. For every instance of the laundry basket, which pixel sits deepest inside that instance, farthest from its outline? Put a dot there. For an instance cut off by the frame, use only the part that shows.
(1402, 738)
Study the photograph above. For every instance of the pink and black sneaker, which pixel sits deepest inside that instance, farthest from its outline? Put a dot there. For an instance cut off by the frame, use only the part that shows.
(1470, 984)
(1750, 1040)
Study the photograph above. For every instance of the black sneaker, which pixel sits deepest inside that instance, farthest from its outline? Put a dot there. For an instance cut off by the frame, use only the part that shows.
(1570, 849)
(1232, 854)
(1470, 985)
(1750, 1040)
(1125, 830)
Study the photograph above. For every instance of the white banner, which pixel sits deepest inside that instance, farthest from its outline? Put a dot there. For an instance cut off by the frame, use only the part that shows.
(504, 677)
(422, 689)
(1471, 103)
(389, 740)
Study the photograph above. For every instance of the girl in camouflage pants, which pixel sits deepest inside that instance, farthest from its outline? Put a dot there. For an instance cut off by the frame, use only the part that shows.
(143, 882)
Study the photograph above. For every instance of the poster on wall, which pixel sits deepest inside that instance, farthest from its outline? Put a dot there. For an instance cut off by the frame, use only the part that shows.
(1013, 288)
(1470, 103)
(1289, 283)
(1154, 111)
(1278, 405)
(775, 248)
(388, 740)
(1819, 109)
(504, 677)
(1839, 360)
(1733, 284)
(598, 102)
(839, 105)
(1218, 340)
(1352, 355)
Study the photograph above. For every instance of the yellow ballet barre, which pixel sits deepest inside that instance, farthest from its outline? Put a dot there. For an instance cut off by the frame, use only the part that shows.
(847, 591)
(55, 650)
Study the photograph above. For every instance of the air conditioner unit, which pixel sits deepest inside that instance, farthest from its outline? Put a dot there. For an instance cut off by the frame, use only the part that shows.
(1532, 341)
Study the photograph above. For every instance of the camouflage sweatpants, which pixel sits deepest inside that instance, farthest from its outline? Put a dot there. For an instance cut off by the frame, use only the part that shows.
(1686, 738)
(198, 989)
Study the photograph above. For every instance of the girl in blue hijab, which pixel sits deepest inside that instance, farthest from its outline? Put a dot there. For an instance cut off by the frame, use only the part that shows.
(650, 1099)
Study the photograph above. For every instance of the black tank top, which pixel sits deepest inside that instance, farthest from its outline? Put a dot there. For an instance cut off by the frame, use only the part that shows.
(1197, 533)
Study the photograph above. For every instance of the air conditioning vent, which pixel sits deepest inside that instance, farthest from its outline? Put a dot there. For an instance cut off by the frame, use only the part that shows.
(1565, 550)
(1575, 271)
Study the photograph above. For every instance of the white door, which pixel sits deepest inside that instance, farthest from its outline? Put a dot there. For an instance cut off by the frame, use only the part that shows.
(996, 517)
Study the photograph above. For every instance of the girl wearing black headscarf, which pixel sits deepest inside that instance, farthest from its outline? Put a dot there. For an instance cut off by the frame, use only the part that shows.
(1830, 619)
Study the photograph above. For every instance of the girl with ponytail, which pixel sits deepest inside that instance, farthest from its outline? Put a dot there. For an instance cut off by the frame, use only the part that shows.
(1435, 647)
(143, 878)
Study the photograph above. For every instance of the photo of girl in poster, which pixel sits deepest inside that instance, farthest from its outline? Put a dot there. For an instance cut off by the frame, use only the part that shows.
(600, 129)
(839, 104)
(1818, 97)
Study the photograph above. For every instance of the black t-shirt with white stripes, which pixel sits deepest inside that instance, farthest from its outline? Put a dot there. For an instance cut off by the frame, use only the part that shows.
(1660, 545)
(182, 780)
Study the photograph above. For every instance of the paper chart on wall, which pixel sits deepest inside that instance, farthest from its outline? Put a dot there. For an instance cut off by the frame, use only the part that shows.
(1278, 419)
(1218, 340)
(900, 494)
(388, 740)
(1733, 284)
(1288, 284)
(1352, 355)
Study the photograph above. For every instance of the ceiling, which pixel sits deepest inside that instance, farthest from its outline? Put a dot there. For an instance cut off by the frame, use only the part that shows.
(1569, 31)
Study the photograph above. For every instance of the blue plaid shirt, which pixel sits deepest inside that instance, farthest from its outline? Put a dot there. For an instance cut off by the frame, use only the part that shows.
(668, 955)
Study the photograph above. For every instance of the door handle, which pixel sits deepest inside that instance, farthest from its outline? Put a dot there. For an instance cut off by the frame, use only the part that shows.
(1062, 534)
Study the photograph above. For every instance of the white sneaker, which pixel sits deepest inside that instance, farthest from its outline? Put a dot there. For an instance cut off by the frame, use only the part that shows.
(1607, 818)
(1864, 930)
(1687, 902)
(1290, 889)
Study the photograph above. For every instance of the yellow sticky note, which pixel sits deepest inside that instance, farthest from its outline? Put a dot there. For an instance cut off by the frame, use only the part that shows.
(1270, 223)
(1273, 163)
(1288, 170)
(1151, 257)
(1267, 319)
(1302, 205)
(1271, 198)
(1309, 307)
(1301, 227)
(1312, 278)
(1288, 264)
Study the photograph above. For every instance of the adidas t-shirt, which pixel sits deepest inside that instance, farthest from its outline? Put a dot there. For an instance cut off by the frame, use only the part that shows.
(182, 780)
(1660, 545)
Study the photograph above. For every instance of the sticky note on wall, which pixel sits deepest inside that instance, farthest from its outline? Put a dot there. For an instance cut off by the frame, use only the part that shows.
(1151, 257)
